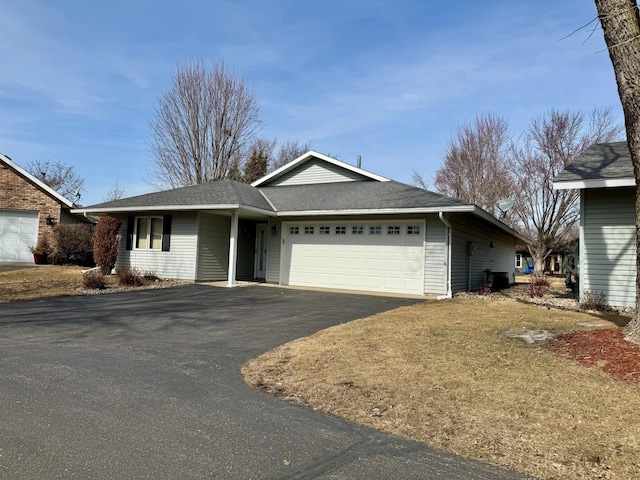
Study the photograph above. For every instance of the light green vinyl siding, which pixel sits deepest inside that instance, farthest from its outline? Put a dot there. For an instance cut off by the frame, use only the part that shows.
(315, 171)
(435, 268)
(213, 247)
(468, 270)
(273, 257)
(607, 250)
(179, 262)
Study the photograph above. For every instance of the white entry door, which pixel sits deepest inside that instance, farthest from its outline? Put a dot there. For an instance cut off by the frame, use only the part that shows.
(385, 256)
(18, 232)
(261, 251)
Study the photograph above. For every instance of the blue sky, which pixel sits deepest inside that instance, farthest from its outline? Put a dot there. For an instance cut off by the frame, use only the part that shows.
(388, 80)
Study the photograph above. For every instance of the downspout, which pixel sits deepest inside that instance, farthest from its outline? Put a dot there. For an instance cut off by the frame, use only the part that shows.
(447, 240)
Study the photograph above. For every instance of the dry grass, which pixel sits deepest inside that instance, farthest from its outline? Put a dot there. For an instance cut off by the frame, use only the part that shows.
(59, 281)
(555, 281)
(443, 373)
(39, 282)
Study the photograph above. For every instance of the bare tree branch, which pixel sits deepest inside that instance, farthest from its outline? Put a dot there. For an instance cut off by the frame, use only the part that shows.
(204, 124)
(57, 175)
(288, 151)
(548, 216)
(476, 166)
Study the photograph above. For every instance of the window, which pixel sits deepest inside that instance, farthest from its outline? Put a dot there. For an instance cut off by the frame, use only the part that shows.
(518, 260)
(357, 230)
(325, 230)
(309, 230)
(149, 233)
(294, 230)
(413, 229)
(341, 230)
(393, 230)
(375, 230)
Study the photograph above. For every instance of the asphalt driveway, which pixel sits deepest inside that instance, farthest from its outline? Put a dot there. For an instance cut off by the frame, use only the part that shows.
(146, 385)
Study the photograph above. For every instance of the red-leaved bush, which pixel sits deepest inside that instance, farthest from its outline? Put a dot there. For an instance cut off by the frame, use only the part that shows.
(105, 243)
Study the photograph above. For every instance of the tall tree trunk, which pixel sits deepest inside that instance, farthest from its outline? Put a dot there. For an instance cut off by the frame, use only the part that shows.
(621, 26)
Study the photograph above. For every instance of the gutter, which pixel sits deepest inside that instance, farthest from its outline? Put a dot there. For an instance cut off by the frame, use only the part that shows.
(447, 239)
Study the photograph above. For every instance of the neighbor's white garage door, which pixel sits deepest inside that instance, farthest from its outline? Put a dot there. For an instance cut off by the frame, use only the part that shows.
(18, 231)
(378, 256)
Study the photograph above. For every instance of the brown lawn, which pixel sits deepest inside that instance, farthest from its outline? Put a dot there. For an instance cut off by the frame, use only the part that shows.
(40, 282)
(445, 374)
(59, 281)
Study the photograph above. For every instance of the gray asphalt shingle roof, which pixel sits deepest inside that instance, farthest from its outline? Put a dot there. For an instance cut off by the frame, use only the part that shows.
(355, 196)
(599, 161)
(223, 192)
(294, 198)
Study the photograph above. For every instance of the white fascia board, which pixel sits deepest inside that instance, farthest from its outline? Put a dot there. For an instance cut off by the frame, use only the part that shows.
(377, 211)
(597, 183)
(308, 156)
(179, 208)
(40, 184)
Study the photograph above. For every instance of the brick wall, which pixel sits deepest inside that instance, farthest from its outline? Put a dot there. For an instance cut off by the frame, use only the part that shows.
(18, 193)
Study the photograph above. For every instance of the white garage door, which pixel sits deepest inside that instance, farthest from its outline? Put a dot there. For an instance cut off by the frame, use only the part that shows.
(379, 256)
(18, 232)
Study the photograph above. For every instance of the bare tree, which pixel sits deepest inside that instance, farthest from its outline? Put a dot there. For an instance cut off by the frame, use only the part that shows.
(418, 180)
(116, 193)
(204, 124)
(62, 178)
(544, 215)
(620, 22)
(258, 163)
(288, 151)
(476, 165)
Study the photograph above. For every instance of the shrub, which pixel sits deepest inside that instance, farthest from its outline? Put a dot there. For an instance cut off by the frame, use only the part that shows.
(483, 289)
(105, 243)
(41, 248)
(73, 244)
(94, 279)
(130, 276)
(593, 300)
(538, 285)
(151, 277)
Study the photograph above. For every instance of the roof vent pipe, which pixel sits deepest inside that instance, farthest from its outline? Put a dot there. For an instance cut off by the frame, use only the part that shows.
(359, 161)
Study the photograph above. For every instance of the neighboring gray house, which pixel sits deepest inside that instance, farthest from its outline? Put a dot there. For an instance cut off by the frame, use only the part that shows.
(315, 222)
(604, 175)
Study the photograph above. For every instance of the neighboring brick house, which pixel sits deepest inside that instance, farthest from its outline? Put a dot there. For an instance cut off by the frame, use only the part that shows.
(29, 210)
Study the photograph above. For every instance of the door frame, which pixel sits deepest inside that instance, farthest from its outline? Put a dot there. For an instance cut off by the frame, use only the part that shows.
(261, 252)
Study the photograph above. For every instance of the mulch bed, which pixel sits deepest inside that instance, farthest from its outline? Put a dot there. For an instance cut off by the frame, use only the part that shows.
(606, 349)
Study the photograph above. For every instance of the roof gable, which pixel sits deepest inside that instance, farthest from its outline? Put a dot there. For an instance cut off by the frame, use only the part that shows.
(42, 186)
(600, 165)
(313, 167)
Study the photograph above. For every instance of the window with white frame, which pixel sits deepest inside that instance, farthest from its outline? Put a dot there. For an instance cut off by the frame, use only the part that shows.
(341, 230)
(413, 229)
(357, 230)
(518, 260)
(148, 233)
(375, 230)
(393, 230)
(309, 230)
(294, 230)
(325, 230)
